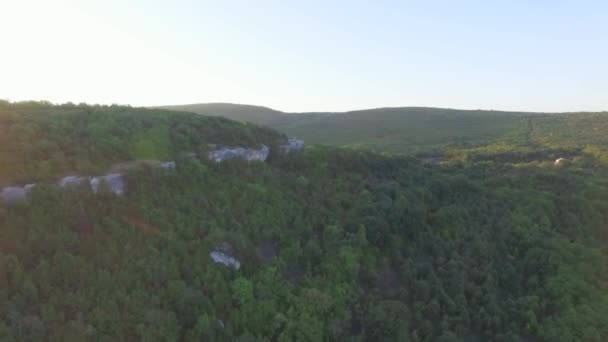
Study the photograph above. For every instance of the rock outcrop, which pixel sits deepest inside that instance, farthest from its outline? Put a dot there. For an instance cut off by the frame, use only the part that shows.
(221, 257)
(293, 145)
(248, 154)
(168, 165)
(72, 181)
(114, 181)
(13, 194)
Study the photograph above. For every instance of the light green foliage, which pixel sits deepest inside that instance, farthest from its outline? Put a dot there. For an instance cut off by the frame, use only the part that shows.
(152, 144)
(242, 290)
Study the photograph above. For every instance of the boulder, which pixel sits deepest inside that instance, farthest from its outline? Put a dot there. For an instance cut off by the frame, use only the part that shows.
(221, 257)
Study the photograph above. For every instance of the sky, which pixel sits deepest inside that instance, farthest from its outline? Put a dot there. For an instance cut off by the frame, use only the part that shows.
(297, 56)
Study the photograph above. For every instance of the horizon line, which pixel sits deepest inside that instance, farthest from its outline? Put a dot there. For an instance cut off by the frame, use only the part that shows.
(299, 112)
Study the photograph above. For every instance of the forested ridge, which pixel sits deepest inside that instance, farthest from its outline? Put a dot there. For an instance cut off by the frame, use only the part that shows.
(39, 141)
(413, 130)
(493, 243)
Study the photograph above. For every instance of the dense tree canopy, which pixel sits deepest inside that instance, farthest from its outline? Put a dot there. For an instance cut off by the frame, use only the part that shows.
(335, 244)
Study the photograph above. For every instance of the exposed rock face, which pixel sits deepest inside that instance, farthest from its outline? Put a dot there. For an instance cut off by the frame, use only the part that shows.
(114, 181)
(168, 165)
(140, 164)
(247, 154)
(72, 181)
(13, 194)
(116, 184)
(225, 259)
(293, 145)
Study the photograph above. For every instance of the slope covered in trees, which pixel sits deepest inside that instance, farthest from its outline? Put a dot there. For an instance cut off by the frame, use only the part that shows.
(334, 244)
(39, 141)
(412, 130)
(403, 130)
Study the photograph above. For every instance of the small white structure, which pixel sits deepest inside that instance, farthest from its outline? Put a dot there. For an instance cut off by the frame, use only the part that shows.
(225, 259)
(559, 161)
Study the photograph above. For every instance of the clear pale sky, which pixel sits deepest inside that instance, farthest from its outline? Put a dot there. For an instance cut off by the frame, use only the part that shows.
(311, 55)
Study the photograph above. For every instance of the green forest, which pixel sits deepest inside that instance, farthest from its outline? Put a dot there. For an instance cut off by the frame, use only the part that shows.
(485, 239)
(418, 130)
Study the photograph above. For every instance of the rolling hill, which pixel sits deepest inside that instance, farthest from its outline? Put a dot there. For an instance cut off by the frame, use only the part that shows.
(247, 113)
(394, 130)
(432, 131)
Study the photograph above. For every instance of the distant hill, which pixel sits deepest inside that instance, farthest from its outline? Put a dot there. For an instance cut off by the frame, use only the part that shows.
(414, 130)
(255, 114)
(396, 130)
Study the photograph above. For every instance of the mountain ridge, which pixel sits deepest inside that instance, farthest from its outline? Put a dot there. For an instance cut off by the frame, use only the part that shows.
(399, 130)
(244, 105)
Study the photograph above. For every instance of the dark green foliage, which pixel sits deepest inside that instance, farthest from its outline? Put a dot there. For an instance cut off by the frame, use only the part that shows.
(335, 244)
